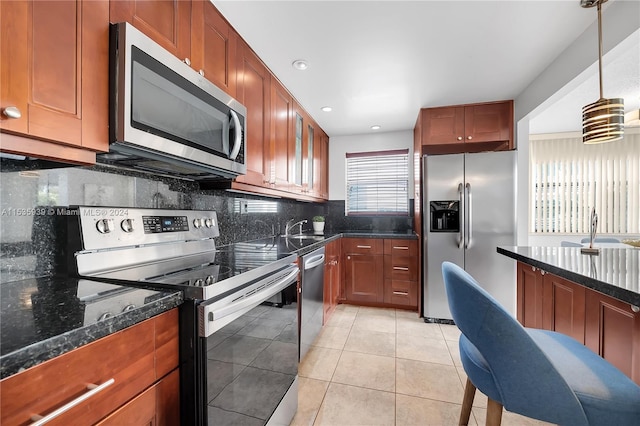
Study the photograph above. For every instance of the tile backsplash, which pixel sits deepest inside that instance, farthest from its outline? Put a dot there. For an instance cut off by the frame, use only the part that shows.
(32, 237)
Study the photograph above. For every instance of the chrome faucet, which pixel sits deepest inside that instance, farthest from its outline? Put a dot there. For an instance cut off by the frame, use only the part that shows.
(289, 225)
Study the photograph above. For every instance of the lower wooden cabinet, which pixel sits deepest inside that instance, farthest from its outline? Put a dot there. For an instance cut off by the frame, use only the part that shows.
(381, 272)
(134, 358)
(332, 276)
(158, 406)
(606, 325)
(612, 329)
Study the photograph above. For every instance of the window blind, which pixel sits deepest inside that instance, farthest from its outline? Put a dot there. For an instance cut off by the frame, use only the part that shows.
(567, 179)
(377, 183)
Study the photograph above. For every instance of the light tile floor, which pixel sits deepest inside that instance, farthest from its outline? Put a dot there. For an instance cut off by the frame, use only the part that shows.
(375, 366)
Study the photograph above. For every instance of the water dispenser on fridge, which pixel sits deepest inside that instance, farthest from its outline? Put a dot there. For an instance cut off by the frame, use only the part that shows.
(445, 216)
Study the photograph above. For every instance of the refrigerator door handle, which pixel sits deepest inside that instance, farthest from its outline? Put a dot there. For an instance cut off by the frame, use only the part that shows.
(468, 219)
(461, 237)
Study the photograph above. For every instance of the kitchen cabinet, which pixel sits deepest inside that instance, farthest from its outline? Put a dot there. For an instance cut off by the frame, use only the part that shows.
(401, 272)
(563, 307)
(54, 79)
(137, 359)
(159, 405)
(332, 276)
(549, 302)
(606, 325)
(363, 266)
(254, 90)
(321, 167)
(214, 45)
(530, 291)
(381, 272)
(166, 22)
(612, 330)
(467, 128)
(282, 137)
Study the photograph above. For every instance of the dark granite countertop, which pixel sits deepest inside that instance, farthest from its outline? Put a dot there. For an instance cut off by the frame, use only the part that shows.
(45, 317)
(614, 272)
(311, 242)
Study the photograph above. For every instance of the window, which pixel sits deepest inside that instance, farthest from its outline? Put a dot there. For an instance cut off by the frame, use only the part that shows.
(377, 183)
(567, 178)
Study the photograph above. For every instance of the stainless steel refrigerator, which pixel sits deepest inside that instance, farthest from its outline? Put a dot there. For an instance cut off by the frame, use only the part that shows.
(468, 210)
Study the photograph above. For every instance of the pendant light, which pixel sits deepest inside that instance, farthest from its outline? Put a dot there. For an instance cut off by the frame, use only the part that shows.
(603, 120)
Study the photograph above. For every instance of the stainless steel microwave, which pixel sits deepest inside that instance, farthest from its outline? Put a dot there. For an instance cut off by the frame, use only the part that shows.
(167, 118)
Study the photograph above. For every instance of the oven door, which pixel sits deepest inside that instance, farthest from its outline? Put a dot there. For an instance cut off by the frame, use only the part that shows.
(251, 347)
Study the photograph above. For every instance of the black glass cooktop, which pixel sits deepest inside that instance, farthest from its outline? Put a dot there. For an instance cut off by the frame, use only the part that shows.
(208, 274)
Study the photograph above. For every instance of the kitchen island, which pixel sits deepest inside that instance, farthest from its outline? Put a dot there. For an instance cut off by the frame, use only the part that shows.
(592, 298)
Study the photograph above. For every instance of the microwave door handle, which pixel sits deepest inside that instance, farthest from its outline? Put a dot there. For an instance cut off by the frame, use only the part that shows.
(238, 135)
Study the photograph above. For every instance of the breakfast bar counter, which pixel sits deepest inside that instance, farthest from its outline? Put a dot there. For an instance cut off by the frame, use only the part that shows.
(614, 271)
(593, 298)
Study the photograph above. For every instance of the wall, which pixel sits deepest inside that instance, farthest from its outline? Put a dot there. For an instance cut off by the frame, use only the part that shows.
(340, 145)
(32, 237)
(620, 20)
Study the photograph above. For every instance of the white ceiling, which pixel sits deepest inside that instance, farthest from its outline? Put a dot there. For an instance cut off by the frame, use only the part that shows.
(379, 62)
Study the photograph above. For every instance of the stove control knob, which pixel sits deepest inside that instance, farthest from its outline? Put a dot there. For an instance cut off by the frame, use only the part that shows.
(129, 308)
(197, 223)
(198, 282)
(208, 222)
(105, 316)
(209, 280)
(127, 225)
(104, 226)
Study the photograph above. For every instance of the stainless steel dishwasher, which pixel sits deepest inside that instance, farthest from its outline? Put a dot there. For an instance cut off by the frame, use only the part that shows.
(312, 298)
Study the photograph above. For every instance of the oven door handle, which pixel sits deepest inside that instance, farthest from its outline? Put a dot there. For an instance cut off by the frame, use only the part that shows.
(212, 317)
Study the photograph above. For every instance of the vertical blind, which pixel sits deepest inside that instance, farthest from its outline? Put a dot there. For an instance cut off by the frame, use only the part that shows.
(567, 179)
(377, 183)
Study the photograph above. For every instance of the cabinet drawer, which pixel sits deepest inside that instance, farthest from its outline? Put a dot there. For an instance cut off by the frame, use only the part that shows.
(128, 357)
(401, 292)
(371, 246)
(401, 247)
(401, 267)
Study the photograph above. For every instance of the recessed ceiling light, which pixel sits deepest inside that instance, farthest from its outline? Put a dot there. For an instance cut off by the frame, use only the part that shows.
(376, 127)
(326, 109)
(300, 64)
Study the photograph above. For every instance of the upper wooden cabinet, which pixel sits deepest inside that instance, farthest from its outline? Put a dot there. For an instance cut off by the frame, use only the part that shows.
(167, 22)
(214, 46)
(54, 63)
(281, 142)
(254, 92)
(466, 128)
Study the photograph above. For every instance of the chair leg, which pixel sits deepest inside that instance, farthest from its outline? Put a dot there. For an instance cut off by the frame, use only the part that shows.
(494, 413)
(467, 403)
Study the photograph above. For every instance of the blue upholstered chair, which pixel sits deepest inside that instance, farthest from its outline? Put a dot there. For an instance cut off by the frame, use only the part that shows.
(536, 373)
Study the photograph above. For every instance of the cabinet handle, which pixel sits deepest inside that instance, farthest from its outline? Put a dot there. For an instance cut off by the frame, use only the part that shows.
(187, 61)
(469, 137)
(459, 138)
(93, 389)
(400, 248)
(11, 112)
(400, 268)
(201, 72)
(533, 269)
(364, 247)
(401, 293)
(542, 272)
(635, 309)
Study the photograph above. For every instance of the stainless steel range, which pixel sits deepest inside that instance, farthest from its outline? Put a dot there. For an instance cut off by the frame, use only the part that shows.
(239, 322)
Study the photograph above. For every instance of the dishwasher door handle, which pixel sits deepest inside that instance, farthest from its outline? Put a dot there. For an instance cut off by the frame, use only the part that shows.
(313, 261)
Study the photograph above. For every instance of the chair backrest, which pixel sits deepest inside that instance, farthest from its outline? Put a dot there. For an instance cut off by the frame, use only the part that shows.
(528, 382)
(601, 240)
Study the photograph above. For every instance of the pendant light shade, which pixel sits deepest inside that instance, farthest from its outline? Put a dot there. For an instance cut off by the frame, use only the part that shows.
(603, 120)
